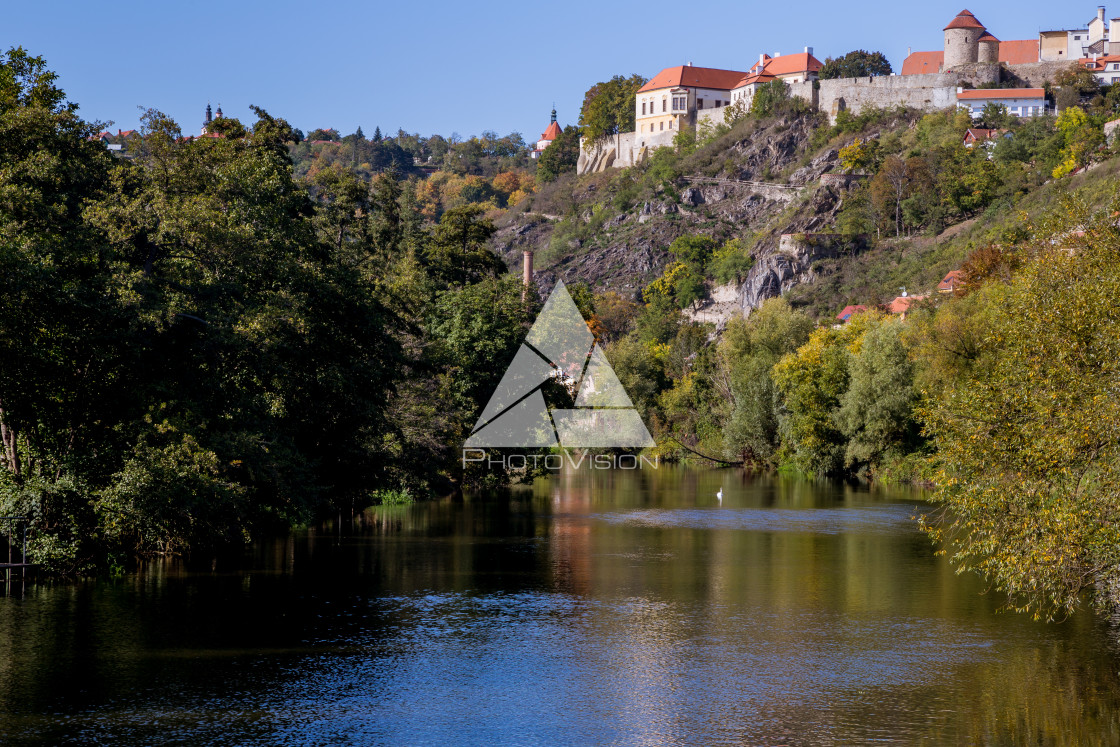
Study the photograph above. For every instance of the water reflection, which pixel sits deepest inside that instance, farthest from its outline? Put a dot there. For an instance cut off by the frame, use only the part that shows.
(598, 608)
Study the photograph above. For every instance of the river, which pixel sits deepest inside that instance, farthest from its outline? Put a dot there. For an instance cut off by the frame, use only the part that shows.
(623, 607)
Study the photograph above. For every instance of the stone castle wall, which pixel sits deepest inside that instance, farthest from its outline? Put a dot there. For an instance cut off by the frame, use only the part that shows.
(621, 151)
(929, 92)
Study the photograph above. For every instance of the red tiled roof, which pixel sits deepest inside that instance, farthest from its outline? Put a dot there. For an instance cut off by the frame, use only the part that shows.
(788, 64)
(901, 304)
(756, 78)
(979, 133)
(552, 132)
(1015, 52)
(850, 311)
(964, 20)
(1100, 63)
(980, 94)
(1018, 51)
(987, 37)
(951, 281)
(920, 63)
(696, 77)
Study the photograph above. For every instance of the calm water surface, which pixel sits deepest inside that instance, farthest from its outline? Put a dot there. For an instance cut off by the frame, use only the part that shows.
(597, 608)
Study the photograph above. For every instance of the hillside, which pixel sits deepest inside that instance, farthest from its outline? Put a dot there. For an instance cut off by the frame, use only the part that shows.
(762, 180)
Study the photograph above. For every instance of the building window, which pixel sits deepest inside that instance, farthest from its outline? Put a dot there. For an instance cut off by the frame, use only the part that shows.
(699, 103)
(1077, 38)
(1115, 79)
(670, 124)
(662, 127)
(1116, 66)
(662, 104)
(643, 108)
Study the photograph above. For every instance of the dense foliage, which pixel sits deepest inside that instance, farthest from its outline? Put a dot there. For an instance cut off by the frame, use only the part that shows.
(608, 107)
(856, 64)
(196, 346)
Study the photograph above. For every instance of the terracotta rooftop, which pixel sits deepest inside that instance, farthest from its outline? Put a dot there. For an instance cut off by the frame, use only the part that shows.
(755, 78)
(987, 37)
(981, 94)
(951, 281)
(1018, 51)
(552, 132)
(1100, 62)
(697, 77)
(964, 20)
(901, 304)
(1015, 52)
(792, 63)
(921, 63)
(850, 311)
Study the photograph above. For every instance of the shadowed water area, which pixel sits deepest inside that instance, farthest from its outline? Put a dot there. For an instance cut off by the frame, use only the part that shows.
(610, 607)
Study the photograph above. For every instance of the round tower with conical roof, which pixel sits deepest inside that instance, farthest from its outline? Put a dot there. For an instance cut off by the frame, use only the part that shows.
(989, 48)
(962, 40)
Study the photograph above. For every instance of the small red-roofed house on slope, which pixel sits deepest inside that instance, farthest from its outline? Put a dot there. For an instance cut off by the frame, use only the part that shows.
(952, 282)
(849, 311)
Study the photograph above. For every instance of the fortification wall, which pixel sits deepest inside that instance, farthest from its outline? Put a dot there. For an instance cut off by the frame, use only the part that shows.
(928, 92)
(620, 151)
(709, 118)
(1036, 74)
(804, 90)
(925, 92)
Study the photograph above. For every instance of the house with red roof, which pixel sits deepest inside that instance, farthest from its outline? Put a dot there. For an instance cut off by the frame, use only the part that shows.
(672, 98)
(901, 305)
(791, 68)
(952, 282)
(551, 133)
(676, 96)
(1106, 68)
(1019, 102)
(974, 135)
(849, 311)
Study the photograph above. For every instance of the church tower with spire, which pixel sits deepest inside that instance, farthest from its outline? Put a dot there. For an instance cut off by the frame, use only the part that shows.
(547, 136)
(209, 119)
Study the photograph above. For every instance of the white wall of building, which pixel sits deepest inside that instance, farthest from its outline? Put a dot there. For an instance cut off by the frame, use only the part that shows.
(1019, 107)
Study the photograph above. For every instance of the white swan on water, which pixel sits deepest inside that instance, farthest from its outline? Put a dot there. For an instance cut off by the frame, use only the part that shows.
(719, 496)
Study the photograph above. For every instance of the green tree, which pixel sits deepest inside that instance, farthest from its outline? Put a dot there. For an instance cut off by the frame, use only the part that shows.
(856, 64)
(748, 352)
(994, 115)
(876, 412)
(457, 253)
(608, 107)
(1026, 439)
(561, 155)
(770, 98)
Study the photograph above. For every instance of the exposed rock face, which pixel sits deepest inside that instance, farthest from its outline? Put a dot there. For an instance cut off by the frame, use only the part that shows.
(777, 271)
(628, 250)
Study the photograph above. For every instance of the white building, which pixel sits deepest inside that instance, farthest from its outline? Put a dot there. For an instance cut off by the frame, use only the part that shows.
(1020, 102)
(550, 134)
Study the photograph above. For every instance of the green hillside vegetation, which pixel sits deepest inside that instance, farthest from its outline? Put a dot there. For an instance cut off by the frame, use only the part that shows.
(204, 342)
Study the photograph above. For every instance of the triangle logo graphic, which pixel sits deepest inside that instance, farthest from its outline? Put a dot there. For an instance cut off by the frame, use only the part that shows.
(560, 346)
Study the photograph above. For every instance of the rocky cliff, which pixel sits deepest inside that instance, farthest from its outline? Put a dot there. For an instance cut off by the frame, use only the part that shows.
(764, 187)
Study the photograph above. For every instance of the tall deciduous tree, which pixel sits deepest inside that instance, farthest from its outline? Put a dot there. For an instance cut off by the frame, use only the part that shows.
(608, 107)
(856, 64)
(560, 156)
(1027, 438)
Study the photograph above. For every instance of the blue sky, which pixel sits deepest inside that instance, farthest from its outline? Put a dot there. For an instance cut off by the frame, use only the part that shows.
(444, 67)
